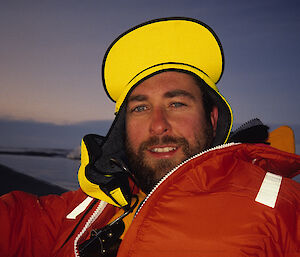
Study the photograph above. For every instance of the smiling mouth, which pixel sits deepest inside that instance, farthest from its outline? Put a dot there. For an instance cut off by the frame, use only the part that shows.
(166, 149)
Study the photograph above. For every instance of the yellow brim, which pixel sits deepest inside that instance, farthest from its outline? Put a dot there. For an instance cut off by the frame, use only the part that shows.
(138, 51)
(172, 43)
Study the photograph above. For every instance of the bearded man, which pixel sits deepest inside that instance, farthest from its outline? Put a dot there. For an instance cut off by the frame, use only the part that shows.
(176, 125)
(166, 150)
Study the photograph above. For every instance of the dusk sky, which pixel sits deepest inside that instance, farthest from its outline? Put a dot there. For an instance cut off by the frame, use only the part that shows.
(51, 55)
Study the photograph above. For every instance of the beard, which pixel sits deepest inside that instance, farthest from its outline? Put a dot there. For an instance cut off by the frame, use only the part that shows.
(148, 173)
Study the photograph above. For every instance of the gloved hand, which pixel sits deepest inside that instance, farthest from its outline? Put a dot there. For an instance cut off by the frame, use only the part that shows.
(103, 174)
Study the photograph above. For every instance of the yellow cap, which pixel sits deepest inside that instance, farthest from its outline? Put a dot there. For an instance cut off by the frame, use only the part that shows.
(165, 44)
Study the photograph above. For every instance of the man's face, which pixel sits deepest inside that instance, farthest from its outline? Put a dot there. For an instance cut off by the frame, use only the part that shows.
(165, 124)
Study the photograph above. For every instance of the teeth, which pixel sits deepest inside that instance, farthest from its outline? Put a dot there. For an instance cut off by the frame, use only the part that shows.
(163, 149)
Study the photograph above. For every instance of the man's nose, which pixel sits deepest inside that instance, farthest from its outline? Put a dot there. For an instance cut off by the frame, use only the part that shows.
(159, 122)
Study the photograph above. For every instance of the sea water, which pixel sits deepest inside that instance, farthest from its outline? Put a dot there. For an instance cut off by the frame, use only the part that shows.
(55, 170)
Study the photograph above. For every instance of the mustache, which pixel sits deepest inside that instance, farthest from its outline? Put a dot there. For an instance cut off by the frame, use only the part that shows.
(154, 140)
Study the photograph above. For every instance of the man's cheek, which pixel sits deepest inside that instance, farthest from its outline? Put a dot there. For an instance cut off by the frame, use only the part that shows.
(188, 122)
(132, 135)
(186, 129)
(136, 141)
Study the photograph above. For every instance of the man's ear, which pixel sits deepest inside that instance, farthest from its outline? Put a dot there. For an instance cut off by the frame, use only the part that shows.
(214, 118)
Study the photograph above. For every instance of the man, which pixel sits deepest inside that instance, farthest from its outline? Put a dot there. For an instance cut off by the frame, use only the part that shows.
(175, 125)
(203, 197)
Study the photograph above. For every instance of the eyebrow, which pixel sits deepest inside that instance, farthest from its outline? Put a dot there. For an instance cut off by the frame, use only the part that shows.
(179, 92)
(138, 98)
(169, 94)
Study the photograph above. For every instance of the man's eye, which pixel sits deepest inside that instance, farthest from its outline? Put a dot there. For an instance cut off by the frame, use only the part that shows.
(139, 108)
(177, 104)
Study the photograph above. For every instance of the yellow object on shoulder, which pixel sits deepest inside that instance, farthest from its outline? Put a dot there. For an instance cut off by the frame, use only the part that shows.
(283, 139)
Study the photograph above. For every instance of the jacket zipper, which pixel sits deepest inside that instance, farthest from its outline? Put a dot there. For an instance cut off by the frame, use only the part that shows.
(101, 206)
(177, 167)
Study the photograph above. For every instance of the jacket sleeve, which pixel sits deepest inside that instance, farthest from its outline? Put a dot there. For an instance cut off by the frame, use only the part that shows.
(30, 224)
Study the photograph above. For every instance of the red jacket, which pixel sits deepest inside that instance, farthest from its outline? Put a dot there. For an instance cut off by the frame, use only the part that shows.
(219, 203)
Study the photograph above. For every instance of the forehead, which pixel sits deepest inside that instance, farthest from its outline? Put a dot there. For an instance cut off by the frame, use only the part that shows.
(165, 82)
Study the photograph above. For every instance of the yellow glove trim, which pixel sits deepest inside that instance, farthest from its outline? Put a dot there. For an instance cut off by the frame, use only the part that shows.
(117, 194)
(90, 188)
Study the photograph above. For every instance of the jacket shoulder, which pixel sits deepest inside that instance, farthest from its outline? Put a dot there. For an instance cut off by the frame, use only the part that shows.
(27, 219)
